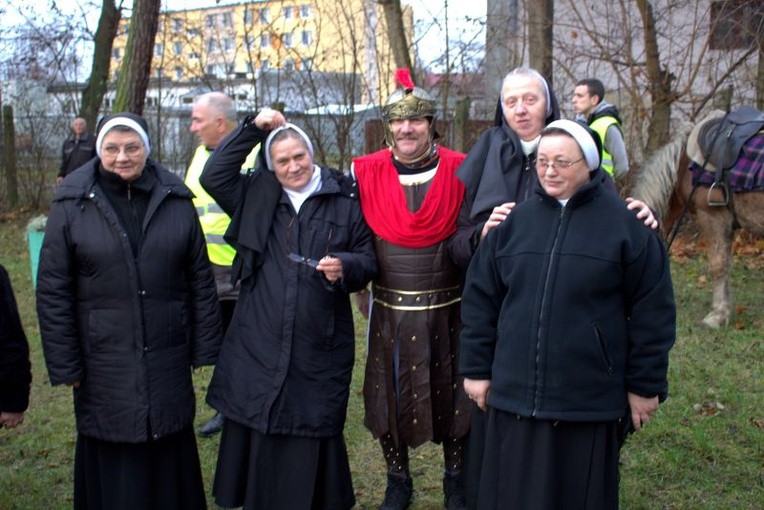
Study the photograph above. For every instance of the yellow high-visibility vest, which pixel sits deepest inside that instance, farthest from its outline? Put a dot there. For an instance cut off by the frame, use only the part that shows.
(600, 126)
(212, 218)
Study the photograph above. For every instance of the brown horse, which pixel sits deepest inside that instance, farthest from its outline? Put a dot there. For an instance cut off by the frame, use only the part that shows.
(665, 183)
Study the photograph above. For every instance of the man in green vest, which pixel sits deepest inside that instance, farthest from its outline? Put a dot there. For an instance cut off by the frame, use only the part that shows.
(602, 117)
(214, 116)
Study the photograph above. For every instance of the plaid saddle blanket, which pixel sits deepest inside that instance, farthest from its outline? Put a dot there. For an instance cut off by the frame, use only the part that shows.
(745, 175)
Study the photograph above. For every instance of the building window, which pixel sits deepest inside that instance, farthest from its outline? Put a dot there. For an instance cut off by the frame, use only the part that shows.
(193, 32)
(211, 70)
(305, 11)
(307, 37)
(289, 64)
(227, 19)
(193, 56)
(265, 65)
(249, 41)
(248, 16)
(158, 49)
(265, 41)
(288, 12)
(735, 24)
(178, 73)
(287, 40)
(211, 46)
(177, 25)
(307, 64)
(210, 20)
(178, 47)
(160, 73)
(228, 44)
(250, 67)
(264, 15)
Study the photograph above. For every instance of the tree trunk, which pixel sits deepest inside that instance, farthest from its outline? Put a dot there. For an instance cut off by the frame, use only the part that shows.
(93, 94)
(461, 125)
(501, 35)
(540, 37)
(9, 157)
(397, 34)
(136, 66)
(661, 94)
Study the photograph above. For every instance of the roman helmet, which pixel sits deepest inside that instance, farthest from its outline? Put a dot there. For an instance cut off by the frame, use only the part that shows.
(408, 102)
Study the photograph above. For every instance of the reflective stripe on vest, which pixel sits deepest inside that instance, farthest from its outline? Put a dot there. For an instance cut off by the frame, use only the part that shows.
(600, 126)
(211, 216)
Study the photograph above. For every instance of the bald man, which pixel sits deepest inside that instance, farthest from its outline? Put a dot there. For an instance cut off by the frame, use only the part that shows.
(213, 117)
(78, 149)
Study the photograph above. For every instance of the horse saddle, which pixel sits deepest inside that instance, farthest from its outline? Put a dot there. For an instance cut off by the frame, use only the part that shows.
(721, 139)
(718, 140)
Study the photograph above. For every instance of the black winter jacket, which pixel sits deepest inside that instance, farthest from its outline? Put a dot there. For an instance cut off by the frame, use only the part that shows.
(287, 357)
(75, 153)
(129, 328)
(15, 370)
(567, 309)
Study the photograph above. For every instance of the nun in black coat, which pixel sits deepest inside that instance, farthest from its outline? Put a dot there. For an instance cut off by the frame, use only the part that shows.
(15, 370)
(499, 173)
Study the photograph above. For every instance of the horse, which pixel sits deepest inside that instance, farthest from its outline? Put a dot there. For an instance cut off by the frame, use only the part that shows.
(665, 183)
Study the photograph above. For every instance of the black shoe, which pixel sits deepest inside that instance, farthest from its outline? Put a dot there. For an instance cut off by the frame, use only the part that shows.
(454, 497)
(398, 493)
(213, 426)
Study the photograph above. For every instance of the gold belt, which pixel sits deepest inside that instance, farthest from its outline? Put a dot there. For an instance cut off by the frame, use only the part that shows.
(416, 300)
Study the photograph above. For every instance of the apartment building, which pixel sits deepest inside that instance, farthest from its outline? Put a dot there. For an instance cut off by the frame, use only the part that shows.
(243, 40)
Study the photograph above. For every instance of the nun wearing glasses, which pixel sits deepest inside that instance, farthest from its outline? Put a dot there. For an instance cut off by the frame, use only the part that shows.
(283, 377)
(127, 305)
(569, 316)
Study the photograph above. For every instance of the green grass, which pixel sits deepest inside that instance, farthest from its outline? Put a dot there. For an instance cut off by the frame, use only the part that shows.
(703, 450)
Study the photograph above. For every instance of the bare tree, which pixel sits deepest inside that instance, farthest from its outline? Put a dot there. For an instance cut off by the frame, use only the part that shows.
(501, 40)
(540, 36)
(92, 95)
(136, 66)
(397, 33)
(9, 157)
(673, 63)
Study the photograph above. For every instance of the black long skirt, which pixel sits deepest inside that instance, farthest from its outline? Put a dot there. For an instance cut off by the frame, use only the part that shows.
(542, 464)
(161, 474)
(474, 458)
(259, 471)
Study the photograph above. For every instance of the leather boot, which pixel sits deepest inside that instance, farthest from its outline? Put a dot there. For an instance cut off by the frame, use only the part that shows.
(454, 496)
(398, 493)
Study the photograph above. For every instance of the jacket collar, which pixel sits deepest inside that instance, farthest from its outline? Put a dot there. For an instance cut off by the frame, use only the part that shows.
(79, 183)
(329, 185)
(587, 193)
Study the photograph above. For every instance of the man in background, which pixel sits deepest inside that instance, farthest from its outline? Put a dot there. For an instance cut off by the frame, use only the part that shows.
(78, 149)
(602, 117)
(213, 117)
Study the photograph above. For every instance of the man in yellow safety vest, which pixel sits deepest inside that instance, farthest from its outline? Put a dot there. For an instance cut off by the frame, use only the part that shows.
(602, 117)
(214, 116)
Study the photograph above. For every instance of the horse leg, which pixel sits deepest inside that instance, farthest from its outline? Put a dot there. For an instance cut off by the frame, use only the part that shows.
(717, 229)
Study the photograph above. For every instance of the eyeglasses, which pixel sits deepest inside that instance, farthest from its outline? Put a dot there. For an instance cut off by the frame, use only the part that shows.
(301, 259)
(296, 257)
(114, 150)
(558, 164)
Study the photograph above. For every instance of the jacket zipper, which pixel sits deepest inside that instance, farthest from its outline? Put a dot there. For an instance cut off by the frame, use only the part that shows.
(542, 317)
